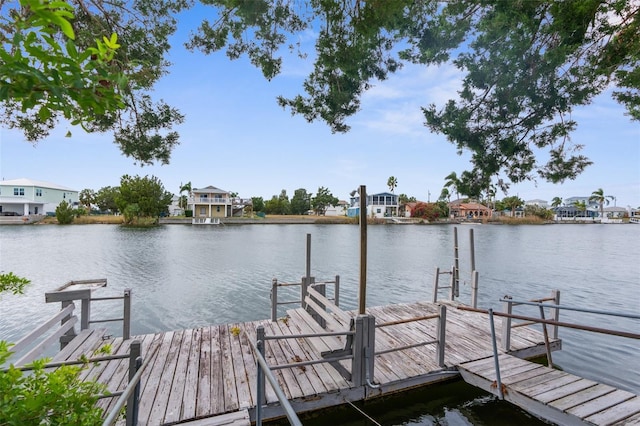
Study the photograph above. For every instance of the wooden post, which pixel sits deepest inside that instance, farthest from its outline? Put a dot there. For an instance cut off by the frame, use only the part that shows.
(369, 342)
(555, 313)
(442, 333)
(336, 291)
(357, 363)
(456, 262)
(126, 317)
(71, 333)
(362, 294)
(262, 399)
(135, 352)
(472, 253)
(308, 274)
(452, 285)
(85, 312)
(435, 285)
(507, 308)
(474, 289)
(274, 299)
(546, 339)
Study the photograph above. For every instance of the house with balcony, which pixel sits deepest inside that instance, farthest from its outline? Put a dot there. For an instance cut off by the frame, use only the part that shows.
(384, 204)
(25, 197)
(216, 203)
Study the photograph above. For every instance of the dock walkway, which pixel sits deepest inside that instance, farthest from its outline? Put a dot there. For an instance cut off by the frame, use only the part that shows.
(209, 371)
(554, 395)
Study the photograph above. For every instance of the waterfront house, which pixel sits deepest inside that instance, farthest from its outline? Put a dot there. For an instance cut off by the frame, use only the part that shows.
(24, 197)
(340, 209)
(470, 210)
(538, 203)
(615, 212)
(384, 204)
(212, 202)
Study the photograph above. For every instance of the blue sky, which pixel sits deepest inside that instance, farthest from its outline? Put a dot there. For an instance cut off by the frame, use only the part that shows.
(237, 138)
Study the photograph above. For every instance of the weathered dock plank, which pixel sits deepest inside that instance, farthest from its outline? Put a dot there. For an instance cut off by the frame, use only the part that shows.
(196, 375)
(552, 394)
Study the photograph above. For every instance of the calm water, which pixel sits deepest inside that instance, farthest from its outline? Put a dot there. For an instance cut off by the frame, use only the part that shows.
(184, 276)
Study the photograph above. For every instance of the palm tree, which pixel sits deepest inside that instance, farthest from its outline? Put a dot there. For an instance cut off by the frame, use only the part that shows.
(392, 183)
(556, 202)
(599, 197)
(445, 195)
(452, 181)
(581, 206)
(183, 199)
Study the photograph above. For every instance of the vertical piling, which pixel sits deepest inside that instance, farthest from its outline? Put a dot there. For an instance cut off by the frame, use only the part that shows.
(555, 312)
(274, 299)
(507, 308)
(442, 328)
(126, 315)
(135, 352)
(436, 277)
(362, 294)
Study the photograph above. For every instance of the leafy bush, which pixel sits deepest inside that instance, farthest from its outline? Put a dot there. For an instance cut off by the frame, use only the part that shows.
(426, 211)
(43, 397)
(13, 283)
(57, 397)
(64, 213)
(188, 213)
(80, 211)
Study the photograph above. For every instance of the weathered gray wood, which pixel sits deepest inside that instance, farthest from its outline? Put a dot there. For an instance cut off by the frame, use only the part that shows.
(153, 378)
(207, 374)
(342, 315)
(22, 344)
(601, 403)
(37, 351)
(191, 380)
(238, 418)
(177, 389)
(228, 373)
(159, 408)
(582, 397)
(214, 363)
(616, 413)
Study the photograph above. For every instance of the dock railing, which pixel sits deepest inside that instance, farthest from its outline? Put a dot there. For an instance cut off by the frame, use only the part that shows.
(83, 291)
(507, 307)
(439, 340)
(555, 323)
(304, 284)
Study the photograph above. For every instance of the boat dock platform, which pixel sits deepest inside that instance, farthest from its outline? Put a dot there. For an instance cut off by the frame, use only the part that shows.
(209, 371)
(322, 356)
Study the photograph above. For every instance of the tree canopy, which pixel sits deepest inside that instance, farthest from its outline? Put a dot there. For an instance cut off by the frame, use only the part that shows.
(142, 197)
(527, 65)
(92, 63)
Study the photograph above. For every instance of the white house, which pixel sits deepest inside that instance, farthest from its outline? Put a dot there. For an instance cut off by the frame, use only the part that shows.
(384, 204)
(538, 203)
(23, 197)
(338, 210)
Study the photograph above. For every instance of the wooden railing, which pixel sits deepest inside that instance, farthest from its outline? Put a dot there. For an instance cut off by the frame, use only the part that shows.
(37, 342)
(68, 293)
(304, 284)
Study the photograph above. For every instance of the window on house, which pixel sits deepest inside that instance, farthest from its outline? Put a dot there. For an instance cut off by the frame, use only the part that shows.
(18, 191)
(218, 209)
(203, 211)
(38, 192)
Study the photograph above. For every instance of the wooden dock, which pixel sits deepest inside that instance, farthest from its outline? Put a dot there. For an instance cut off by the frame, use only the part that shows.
(209, 371)
(554, 395)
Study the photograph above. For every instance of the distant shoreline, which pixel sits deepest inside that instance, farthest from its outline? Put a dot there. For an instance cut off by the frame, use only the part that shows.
(314, 220)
